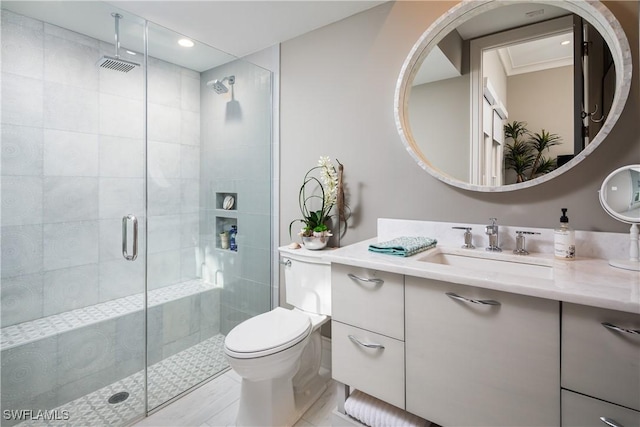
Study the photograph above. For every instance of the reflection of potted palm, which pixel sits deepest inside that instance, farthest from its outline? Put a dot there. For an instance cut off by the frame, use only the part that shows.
(525, 155)
(517, 155)
(519, 158)
(540, 142)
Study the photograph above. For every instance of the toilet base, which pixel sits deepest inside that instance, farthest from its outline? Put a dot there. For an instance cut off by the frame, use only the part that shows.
(274, 403)
(304, 399)
(266, 403)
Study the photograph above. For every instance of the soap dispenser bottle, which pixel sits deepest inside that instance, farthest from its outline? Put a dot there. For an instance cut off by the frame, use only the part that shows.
(233, 234)
(564, 239)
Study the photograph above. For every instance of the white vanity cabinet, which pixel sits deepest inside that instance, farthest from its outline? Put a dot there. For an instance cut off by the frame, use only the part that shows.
(481, 357)
(470, 352)
(368, 331)
(600, 359)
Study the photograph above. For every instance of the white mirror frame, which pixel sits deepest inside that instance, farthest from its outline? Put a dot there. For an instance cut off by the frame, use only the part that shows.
(593, 11)
(633, 263)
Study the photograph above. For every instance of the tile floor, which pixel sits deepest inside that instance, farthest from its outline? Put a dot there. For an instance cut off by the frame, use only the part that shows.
(166, 379)
(215, 404)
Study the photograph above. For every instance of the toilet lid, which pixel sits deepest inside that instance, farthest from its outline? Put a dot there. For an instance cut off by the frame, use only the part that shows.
(268, 333)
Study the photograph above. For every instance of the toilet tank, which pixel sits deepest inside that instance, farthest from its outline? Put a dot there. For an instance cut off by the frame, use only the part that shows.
(307, 279)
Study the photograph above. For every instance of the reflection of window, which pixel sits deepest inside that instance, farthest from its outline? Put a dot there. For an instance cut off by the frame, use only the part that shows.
(527, 67)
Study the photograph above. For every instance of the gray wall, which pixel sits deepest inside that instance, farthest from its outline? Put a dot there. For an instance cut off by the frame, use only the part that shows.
(337, 89)
(73, 165)
(528, 96)
(173, 133)
(439, 142)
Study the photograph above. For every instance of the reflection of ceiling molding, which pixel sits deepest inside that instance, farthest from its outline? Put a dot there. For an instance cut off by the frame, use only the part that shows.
(537, 55)
(508, 17)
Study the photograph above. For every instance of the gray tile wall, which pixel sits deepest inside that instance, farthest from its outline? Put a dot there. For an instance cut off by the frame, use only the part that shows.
(53, 371)
(73, 165)
(237, 148)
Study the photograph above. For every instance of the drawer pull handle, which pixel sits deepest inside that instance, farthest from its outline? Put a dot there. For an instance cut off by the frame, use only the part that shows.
(619, 329)
(610, 422)
(365, 279)
(286, 263)
(365, 344)
(474, 301)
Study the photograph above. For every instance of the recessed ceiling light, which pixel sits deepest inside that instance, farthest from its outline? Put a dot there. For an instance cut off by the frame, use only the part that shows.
(565, 42)
(186, 43)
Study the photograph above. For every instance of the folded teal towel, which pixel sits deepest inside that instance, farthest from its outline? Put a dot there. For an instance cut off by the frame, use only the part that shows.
(404, 246)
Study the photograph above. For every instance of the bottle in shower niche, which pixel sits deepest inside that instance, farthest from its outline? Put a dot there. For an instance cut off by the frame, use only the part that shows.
(232, 238)
(564, 239)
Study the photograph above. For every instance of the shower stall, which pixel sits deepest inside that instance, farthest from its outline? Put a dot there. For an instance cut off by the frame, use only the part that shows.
(121, 176)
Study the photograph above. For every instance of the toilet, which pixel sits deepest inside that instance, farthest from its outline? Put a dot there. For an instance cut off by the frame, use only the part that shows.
(278, 353)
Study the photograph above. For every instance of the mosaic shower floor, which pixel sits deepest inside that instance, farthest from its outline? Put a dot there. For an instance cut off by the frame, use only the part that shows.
(167, 379)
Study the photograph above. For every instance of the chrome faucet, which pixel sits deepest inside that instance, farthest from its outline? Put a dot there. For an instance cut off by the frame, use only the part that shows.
(492, 231)
(520, 242)
(468, 238)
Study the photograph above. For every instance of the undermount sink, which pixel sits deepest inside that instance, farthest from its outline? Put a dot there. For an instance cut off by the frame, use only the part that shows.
(493, 263)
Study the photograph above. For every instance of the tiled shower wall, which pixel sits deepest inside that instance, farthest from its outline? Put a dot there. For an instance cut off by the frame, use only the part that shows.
(73, 165)
(237, 144)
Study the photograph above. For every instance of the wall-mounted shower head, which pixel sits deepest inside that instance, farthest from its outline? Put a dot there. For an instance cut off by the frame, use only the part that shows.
(218, 85)
(115, 62)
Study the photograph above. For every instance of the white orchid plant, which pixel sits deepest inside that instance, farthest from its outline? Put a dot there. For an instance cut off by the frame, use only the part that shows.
(317, 191)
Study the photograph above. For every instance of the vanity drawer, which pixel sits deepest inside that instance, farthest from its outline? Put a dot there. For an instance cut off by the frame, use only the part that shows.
(368, 299)
(374, 370)
(598, 361)
(584, 411)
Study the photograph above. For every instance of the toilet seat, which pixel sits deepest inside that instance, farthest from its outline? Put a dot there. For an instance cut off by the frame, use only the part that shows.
(267, 333)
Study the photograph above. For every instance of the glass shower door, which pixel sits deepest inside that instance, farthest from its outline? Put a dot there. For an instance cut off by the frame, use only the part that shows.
(209, 140)
(72, 323)
(184, 344)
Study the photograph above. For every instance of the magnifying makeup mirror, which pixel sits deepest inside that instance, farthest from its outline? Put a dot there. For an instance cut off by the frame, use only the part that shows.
(620, 198)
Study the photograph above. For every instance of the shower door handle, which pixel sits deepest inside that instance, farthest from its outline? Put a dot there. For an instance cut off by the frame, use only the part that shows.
(125, 228)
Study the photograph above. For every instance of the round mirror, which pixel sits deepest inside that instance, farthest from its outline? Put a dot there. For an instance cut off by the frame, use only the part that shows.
(502, 95)
(620, 194)
(620, 198)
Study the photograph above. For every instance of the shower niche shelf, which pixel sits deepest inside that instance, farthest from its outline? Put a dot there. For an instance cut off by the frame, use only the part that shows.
(227, 201)
(224, 223)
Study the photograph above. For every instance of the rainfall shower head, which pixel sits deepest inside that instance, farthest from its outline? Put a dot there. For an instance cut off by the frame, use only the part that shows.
(115, 62)
(218, 85)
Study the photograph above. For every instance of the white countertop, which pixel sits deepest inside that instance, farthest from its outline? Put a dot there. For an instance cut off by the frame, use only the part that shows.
(587, 281)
